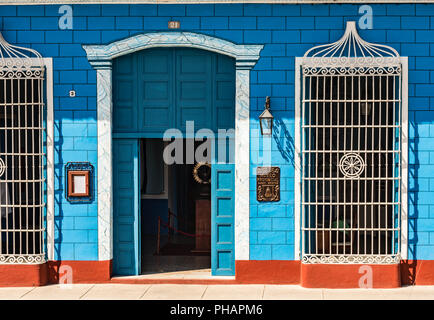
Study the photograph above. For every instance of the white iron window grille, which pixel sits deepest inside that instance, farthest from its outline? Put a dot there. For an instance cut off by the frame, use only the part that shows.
(22, 155)
(351, 156)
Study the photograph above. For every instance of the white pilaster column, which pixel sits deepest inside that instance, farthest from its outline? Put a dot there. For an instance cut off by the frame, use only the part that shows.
(104, 185)
(242, 160)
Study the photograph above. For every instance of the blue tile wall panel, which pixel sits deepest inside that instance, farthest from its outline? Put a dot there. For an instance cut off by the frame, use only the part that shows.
(286, 31)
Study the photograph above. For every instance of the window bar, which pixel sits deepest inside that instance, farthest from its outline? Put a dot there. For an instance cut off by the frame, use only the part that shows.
(351, 181)
(380, 173)
(330, 166)
(338, 181)
(4, 208)
(40, 162)
(19, 165)
(394, 184)
(13, 168)
(358, 178)
(345, 179)
(373, 167)
(41, 210)
(323, 156)
(387, 166)
(26, 122)
(365, 181)
(310, 166)
(399, 148)
(303, 145)
(316, 161)
(33, 168)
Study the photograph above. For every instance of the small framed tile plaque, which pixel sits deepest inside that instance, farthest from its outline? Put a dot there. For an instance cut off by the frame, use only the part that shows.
(78, 181)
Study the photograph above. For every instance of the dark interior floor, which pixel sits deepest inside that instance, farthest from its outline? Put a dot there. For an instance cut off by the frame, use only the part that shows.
(168, 261)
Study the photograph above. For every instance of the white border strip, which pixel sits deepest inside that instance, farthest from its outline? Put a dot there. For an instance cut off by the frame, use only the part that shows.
(297, 160)
(404, 159)
(32, 2)
(50, 158)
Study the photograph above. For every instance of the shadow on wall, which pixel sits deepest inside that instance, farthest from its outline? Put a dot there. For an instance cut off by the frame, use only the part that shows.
(58, 195)
(64, 149)
(409, 271)
(283, 140)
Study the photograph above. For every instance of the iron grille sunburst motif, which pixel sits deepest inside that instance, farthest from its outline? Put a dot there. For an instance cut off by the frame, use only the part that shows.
(351, 165)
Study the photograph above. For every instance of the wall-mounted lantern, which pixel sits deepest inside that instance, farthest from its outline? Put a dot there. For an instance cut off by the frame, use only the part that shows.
(266, 119)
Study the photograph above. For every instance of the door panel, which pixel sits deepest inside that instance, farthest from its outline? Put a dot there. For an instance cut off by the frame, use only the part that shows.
(125, 93)
(161, 88)
(222, 219)
(126, 207)
(156, 86)
(194, 87)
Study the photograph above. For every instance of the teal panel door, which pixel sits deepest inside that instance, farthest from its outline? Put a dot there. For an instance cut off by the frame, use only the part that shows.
(222, 219)
(156, 89)
(161, 88)
(126, 207)
(194, 87)
(125, 97)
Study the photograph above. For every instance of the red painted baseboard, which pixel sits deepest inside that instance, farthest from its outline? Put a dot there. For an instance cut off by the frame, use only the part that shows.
(79, 271)
(350, 276)
(408, 272)
(267, 271)
(316, 275)
(417, 272)
(23, 275)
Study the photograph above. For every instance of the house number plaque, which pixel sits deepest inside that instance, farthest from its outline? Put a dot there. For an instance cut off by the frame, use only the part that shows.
(268, 184)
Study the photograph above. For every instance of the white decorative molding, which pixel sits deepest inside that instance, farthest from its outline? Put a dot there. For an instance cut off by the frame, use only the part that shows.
(246, 55)
(22, 259)
(100, 57)
(352, 259)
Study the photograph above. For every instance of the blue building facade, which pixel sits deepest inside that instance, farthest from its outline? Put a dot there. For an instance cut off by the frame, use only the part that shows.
(280, 33)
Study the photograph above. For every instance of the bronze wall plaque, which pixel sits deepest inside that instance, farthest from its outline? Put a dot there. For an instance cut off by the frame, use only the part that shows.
(268, 184)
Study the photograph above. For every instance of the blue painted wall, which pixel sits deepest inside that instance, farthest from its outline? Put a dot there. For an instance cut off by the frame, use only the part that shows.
(286, 31)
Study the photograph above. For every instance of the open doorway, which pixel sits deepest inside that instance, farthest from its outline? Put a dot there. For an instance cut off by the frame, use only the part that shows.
(175, 215)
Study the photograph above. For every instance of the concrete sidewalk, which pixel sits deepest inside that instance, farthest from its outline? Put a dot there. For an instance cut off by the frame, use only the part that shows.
(207, 292)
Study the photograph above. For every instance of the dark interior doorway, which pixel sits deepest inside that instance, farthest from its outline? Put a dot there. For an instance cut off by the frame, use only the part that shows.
(175, 211)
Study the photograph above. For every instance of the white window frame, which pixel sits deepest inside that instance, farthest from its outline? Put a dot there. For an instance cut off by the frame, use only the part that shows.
(49, 230)
(404, 160)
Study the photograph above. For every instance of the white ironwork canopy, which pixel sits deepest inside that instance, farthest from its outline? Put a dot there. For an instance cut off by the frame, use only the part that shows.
(351, 51)
(17, 58)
